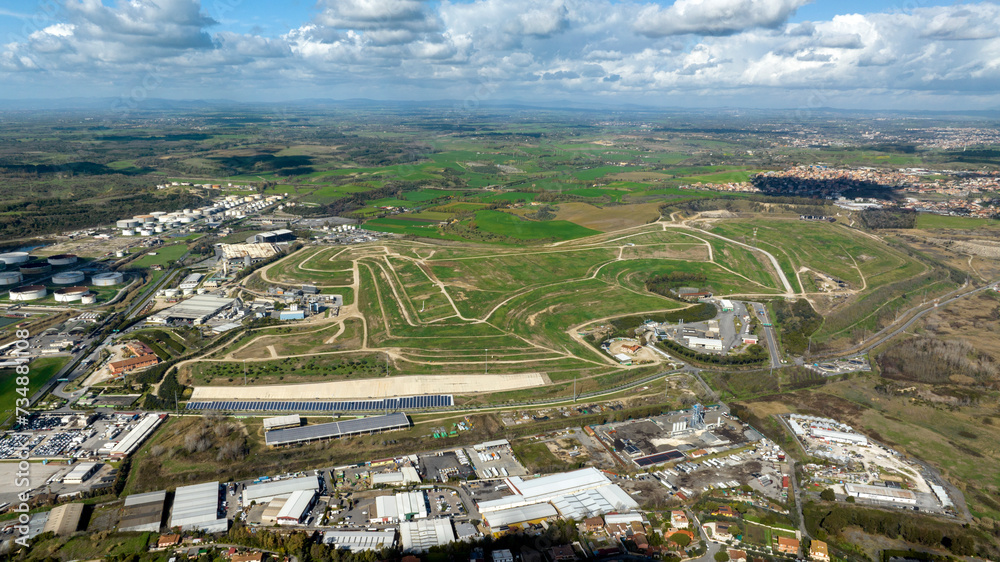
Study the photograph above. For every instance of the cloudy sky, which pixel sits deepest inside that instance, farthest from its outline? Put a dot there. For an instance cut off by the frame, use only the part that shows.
(893, 54)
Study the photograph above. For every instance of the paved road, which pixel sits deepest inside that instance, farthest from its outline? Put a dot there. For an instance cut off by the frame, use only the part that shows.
(770, 336)
(884, 335)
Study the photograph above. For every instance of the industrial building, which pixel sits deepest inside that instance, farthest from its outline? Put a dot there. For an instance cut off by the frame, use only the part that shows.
(268, 491)
(405, 475)
(334, 430)
(709, 344)
(196, 310)
(358, 541)
(139, 433)
(296, 507)
(272, 237)
(133, 363)
(269, 517)
(143, 512)
(191, 281)
(240, 254)
(577, 495)
(64, 519)
(520, 516)
(420, 536)
(82, 472)
(197, 508)
(879, 493)
(839, 436)
(404, 506)
(282, 422)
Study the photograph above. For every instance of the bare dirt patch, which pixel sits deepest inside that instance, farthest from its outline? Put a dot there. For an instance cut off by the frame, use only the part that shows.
(608, 218)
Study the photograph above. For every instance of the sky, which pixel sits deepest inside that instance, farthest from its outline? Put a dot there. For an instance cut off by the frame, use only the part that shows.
(789, 54)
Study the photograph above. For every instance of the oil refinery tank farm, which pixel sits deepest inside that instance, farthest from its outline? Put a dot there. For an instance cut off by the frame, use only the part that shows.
(28, 293)
(36, 267)
(70, 294)
(10, 278)
(62, 259)
(68, 277)
(14, 258)
(109, 279)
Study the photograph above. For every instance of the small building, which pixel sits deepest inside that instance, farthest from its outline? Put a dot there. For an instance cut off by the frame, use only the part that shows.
(788, 545)
(737, 555)
(167, 541)
(726, 305)
(750, 339)
(64, 519)
(291, 314)
(310, 290)
(503, 555)
(678, 520)
(818, 550)
(282, 422)
(710, 344)
(879, 493)
(248, 557)
(82, 472)
(593, 524)
(420, 536)
(563, 553)
(272, 237)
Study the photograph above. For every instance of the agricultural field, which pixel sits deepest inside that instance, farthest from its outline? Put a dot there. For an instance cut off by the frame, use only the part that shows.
(42, 369)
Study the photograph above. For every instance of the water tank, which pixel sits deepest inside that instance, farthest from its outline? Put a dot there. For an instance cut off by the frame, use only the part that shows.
(119, 254)
(187, 220)
(68, 277)
(145, 232)
(158, 213)
(128, 223)
(62, 259)
(70, 294)
(14, 258)
(170, 293)
(109, 279)
(90, 298)
(28, 293)
(158, 229)
(11, 278)
(37, 267)
(128, 232)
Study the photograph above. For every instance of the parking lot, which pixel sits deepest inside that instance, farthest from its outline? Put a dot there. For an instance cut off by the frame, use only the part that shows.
(496, 463)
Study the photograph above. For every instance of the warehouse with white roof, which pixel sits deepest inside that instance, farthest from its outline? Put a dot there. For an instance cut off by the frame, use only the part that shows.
(267, 491)
(197, 508)
(358, 541)
(420, 536)
(296, 507)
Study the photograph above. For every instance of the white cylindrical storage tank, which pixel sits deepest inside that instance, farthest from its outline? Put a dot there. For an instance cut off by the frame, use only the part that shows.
(169, 293)
(62, 259)
(10, 278)
(70, 294)
(201, 290)
(158, 229)
(164, 218)
(158, 213)
(145, 232)
(187, 291)
(90, 298)
(119, 254)
(109, 279)
(37, 267)
(68, 277)
(145, 218)
(186, 220)
(127, 223)
(187, 211)
(14, 258)
(28, 293)
(128, 232)
(196, 213)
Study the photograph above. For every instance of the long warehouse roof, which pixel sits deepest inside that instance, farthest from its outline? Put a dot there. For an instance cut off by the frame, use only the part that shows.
(195, 505)
(270, 490)
(336, 429)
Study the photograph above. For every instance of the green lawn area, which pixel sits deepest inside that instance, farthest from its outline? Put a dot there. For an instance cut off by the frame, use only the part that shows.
(41, 370)
(163, 255)
(929, 221)
(506, 224)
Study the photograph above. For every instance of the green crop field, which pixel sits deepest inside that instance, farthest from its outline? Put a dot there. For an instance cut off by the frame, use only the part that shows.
(928, 221)
(40, 371)
(506, 224)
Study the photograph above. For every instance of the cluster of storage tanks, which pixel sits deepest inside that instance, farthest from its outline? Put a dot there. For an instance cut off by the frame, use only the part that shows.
(158, 222)
(26, 266)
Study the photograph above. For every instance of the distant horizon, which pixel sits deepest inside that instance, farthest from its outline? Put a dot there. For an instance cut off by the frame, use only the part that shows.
(931, 55)
(124, 105)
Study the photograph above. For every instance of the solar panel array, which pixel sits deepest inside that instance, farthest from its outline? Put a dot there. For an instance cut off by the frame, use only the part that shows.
(403, 403)
(336, 429)
(659, 458)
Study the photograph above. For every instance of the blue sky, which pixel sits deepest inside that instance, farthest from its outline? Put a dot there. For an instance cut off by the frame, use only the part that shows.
(906, 54)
